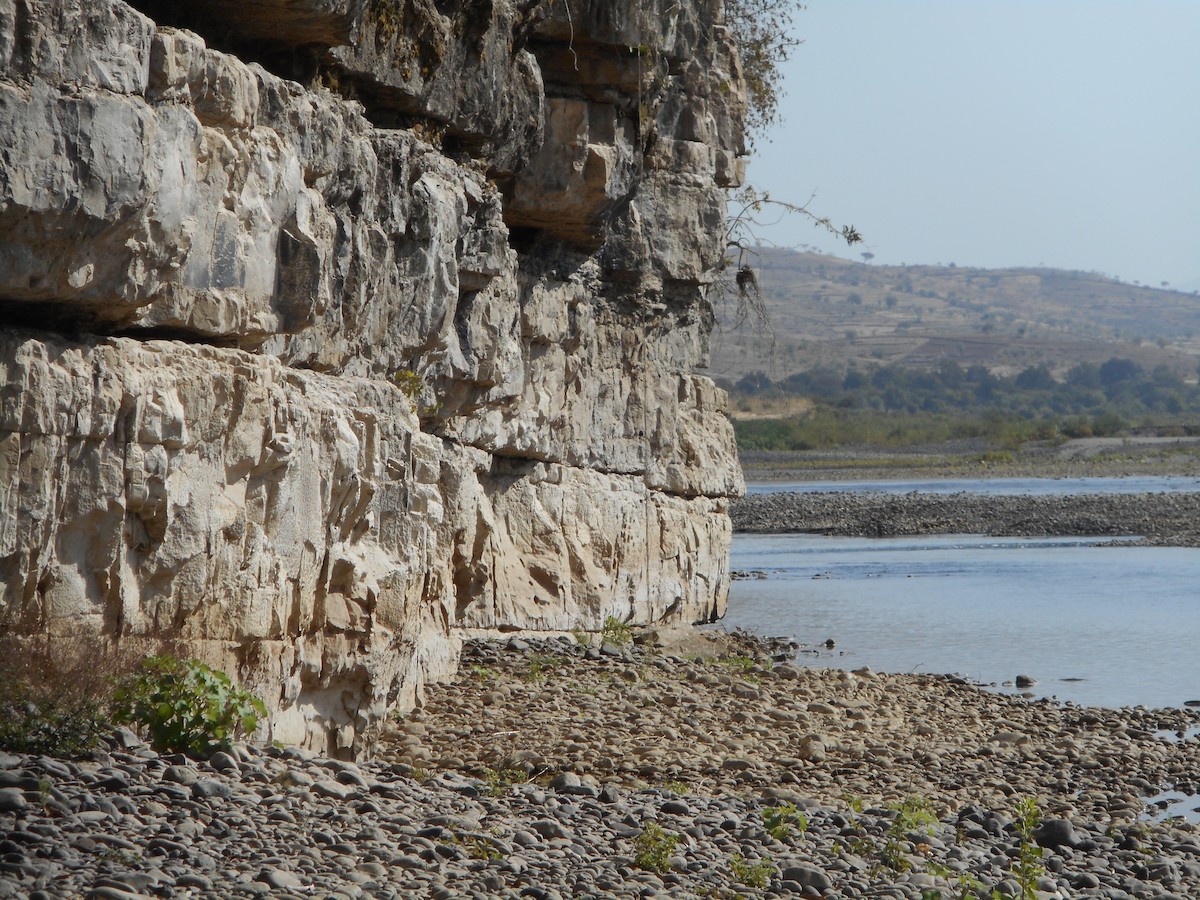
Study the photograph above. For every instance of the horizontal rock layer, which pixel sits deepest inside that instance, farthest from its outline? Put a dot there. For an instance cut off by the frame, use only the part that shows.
(303, 377)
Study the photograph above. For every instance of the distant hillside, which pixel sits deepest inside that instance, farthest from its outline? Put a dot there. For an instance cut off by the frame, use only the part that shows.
(830, 311)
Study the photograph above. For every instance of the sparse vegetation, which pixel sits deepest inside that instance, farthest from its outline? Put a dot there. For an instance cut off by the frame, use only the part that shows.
(481, 674)
(415, 388)
(890, 405)
(755, 875)
(616, 632)
(1005, 320)
(538, 667)
(739, 663)
(781, 820)
(1029, 867)
(762, 30)
(56, 692)
(500, 780)
(913, 815)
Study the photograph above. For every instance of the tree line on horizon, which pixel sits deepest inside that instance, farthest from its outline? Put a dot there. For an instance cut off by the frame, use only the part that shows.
(891, 404)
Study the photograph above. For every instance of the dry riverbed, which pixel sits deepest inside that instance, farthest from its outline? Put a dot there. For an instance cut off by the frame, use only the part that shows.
(703, 767)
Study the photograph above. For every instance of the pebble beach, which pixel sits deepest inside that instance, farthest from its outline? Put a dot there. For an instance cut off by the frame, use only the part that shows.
(687, 764)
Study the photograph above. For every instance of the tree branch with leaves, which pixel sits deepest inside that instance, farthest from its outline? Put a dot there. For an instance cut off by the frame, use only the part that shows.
(762, 31)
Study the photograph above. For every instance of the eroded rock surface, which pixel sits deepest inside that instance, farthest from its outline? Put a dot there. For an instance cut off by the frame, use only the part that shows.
(328, 326)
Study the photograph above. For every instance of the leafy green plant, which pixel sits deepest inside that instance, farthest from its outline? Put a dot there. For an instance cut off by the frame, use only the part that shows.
(913, 814)
(653, 848)
(755, 875)
(185, 706)
(45, 790)
(481, 848)
(476, 846)
(780, 820)
(482, 674)
(740, 663)
(414, 387)
(500, 780)
(1029, 867)
(965, 885)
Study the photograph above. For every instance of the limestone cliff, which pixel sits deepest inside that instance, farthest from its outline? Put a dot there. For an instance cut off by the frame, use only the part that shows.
(329, 326)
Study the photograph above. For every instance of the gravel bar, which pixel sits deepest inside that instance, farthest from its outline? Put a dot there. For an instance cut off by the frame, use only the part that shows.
(1167, 519)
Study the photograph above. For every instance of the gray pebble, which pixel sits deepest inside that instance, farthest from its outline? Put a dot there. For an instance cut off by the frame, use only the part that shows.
(208, 788)
(12, 800)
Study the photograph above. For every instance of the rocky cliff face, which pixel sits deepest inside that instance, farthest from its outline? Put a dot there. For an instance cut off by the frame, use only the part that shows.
(329, 326)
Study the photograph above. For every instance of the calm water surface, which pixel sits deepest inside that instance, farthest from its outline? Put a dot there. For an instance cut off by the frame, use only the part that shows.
(1099, 625)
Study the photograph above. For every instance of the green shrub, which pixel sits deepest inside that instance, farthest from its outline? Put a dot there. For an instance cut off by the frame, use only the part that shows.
(756, 875)
(185, 706)
(653, 848)
(414, 387)
(779, 820)
(913, 814)
(538, 667)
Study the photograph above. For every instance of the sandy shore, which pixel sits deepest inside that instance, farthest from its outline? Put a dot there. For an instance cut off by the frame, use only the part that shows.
(699, 768)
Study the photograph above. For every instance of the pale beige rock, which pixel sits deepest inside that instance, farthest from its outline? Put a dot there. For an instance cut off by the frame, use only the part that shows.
(523, 228)
(269, 516)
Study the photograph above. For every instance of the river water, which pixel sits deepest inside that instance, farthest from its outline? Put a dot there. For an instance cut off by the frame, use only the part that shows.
(1097, 625)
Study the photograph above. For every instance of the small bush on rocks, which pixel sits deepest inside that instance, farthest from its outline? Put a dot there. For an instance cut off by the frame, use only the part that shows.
(540, 665)
(755, 875)
(653, 848)
(186, 706)
(780, 820)
(616, 632)
(739, 663)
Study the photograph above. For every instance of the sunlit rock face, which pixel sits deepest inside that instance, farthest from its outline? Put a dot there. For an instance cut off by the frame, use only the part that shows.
(330, 326)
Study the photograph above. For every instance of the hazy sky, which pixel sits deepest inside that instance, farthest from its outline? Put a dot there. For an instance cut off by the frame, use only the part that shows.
(997, 133)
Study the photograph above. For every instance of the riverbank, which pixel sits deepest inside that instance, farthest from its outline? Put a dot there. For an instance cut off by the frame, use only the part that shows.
(1079, 458)
(1163, 519)
(556, 770)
